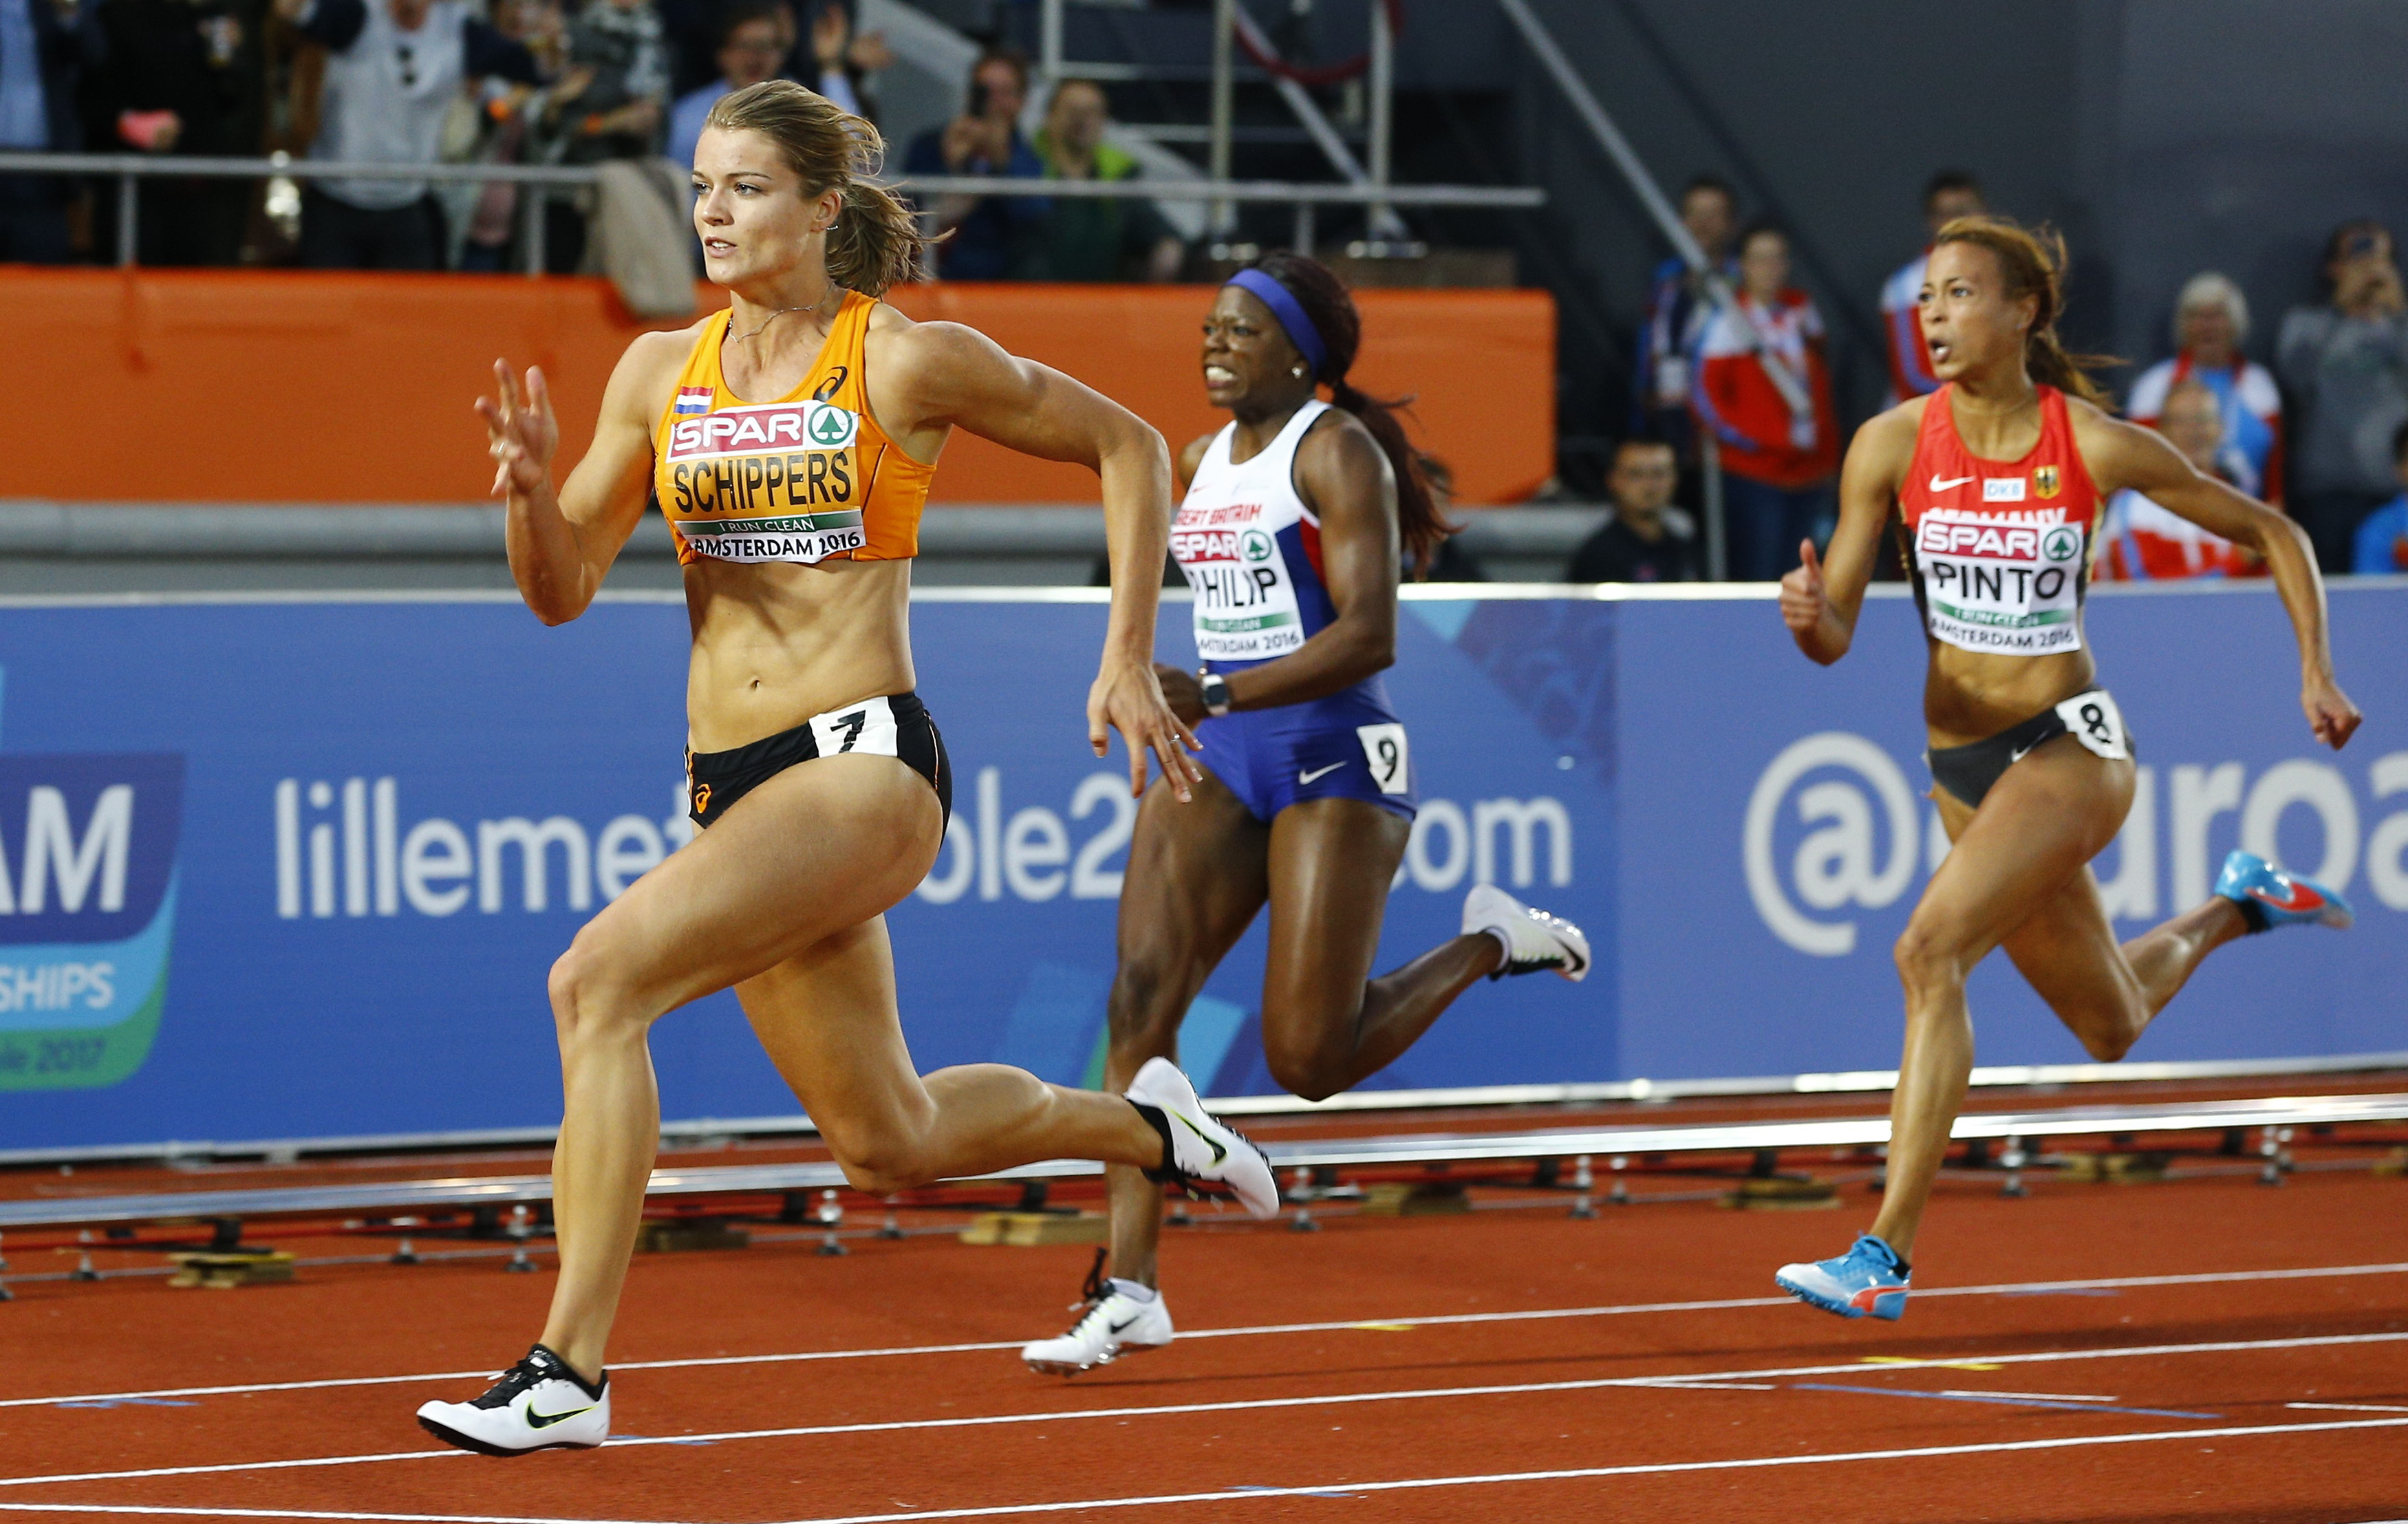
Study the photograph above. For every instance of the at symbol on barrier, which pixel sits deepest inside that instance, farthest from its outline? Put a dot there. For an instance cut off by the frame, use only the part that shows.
(1834, 864)
(829, 426)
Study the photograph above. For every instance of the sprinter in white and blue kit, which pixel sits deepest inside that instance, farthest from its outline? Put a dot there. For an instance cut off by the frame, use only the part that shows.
(1298, 517)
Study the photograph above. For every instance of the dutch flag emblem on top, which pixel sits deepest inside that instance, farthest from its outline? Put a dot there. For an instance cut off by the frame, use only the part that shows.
(691, 399)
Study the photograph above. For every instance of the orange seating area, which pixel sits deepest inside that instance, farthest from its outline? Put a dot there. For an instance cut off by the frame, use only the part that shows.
(291, 386)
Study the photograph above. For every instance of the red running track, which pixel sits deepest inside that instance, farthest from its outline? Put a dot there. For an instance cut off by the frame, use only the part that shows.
(1511, 1364)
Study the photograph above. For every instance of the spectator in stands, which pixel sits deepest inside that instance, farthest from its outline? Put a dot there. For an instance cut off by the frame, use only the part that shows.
(1766, 397)
(1087, 237)
(1647, 540)
(393, 69)
(2144, 543)
(2383, 539)
(751, 43)
(2211, 322)
(994, 237)
(46, 46)
(2346, 364)
(509, 111)
(1947, 195)
(183, 77)
(612, 102)
(839, 60)
(1675, 305)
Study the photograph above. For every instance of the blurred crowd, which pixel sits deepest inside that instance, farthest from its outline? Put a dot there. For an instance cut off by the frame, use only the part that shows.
(410, 83)
(2322, 433)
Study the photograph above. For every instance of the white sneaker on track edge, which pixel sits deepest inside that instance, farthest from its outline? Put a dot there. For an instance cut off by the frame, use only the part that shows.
(1111, 1323)
(1533, 939)
(538, 1405)
(1200, 1151)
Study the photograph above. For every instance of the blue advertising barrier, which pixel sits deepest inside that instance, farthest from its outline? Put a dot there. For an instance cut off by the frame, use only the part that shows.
(298, 869)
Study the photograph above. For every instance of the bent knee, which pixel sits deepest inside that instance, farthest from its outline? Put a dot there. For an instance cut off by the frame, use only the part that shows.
(880, 1165)
(1927, 958)
(588, 999)
(1306, 1073)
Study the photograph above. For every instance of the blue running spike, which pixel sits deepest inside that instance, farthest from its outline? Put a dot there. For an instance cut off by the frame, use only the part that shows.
(1870, 1278)
(2269, 897)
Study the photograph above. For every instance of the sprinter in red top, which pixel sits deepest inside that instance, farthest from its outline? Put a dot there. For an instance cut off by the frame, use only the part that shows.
(2001, 476)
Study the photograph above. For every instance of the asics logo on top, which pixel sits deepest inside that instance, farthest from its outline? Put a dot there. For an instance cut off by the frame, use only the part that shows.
(1318, 772)
(1219, 1153)
(545, 1420)
(2302, 897)
(1939, 485)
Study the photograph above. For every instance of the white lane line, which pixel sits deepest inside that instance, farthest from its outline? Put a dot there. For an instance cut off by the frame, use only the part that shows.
(1325, 1489)
(2349, 1407)
(1258, 1331)
(1247, 1405)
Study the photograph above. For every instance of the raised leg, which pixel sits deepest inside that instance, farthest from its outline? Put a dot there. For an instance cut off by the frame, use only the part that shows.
(2027, 848)
(1326, 1027)
(829, 844)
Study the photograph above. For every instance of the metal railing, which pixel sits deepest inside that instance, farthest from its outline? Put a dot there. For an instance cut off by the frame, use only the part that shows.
(130, 169)
(2269, 1116)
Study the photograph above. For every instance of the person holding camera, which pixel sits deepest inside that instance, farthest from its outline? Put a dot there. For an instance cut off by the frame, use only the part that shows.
(2346, 364)
(994, 237)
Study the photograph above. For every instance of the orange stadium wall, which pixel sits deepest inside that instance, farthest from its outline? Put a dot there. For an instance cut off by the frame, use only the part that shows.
(289, 386)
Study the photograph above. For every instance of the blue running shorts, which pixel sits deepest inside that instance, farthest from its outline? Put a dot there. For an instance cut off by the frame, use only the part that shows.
(1347, 746)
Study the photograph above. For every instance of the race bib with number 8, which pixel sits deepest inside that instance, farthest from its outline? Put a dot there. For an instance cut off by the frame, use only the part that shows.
(2092, 719)
(1384, 748)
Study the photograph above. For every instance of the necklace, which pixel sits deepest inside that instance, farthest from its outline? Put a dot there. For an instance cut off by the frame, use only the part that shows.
(783, 310)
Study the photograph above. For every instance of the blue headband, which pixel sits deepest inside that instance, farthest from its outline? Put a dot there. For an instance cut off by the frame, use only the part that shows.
(1290, 312)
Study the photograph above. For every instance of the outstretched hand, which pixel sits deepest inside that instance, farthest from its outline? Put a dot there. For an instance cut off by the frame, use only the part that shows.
(2330, 715)
(521, 432)
(1804, 599)
(1127, 697)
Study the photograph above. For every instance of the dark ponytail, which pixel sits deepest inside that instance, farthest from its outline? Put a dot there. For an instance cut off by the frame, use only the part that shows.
(2031, 263)
(1325, 300)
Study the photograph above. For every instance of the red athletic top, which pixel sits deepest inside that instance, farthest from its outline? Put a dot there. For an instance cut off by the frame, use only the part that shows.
(2000, 549)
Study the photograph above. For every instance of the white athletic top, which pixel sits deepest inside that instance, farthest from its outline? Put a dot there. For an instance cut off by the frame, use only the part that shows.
(1252, 550)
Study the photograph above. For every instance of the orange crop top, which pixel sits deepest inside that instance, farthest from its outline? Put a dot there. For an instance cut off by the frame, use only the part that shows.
(804, 478)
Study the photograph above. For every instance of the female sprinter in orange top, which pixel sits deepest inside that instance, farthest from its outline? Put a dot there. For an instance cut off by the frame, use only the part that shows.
(1290, 535)
(790, 440)
(2003, 477)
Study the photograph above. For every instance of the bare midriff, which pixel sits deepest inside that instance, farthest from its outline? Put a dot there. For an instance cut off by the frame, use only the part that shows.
(1970, 696)
(775, 644)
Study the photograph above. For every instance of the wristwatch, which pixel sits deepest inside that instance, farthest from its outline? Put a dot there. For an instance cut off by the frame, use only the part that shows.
(1216, 692)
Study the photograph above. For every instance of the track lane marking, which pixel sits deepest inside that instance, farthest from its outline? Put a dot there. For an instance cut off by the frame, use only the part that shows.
(1437, 1321)
(1322, 1489)
(1244, 1406)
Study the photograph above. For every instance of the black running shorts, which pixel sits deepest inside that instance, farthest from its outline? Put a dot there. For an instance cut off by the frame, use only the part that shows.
(896, 725)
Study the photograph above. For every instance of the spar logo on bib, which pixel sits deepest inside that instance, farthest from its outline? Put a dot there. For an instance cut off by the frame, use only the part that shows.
(88, 847)
(2004, 580)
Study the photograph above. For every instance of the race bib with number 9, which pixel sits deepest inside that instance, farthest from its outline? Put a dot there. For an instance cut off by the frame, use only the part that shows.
(1384, 748)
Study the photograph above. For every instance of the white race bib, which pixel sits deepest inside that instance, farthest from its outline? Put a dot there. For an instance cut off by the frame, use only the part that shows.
(868, 726)
(2093, 719)
(1384, 748)
(2003, 580)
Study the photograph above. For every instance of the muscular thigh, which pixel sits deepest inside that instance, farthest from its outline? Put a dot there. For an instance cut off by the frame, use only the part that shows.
(828, 1018)
(2024, 851)
(1196, 875)
(1331, 863)
(819, 849)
